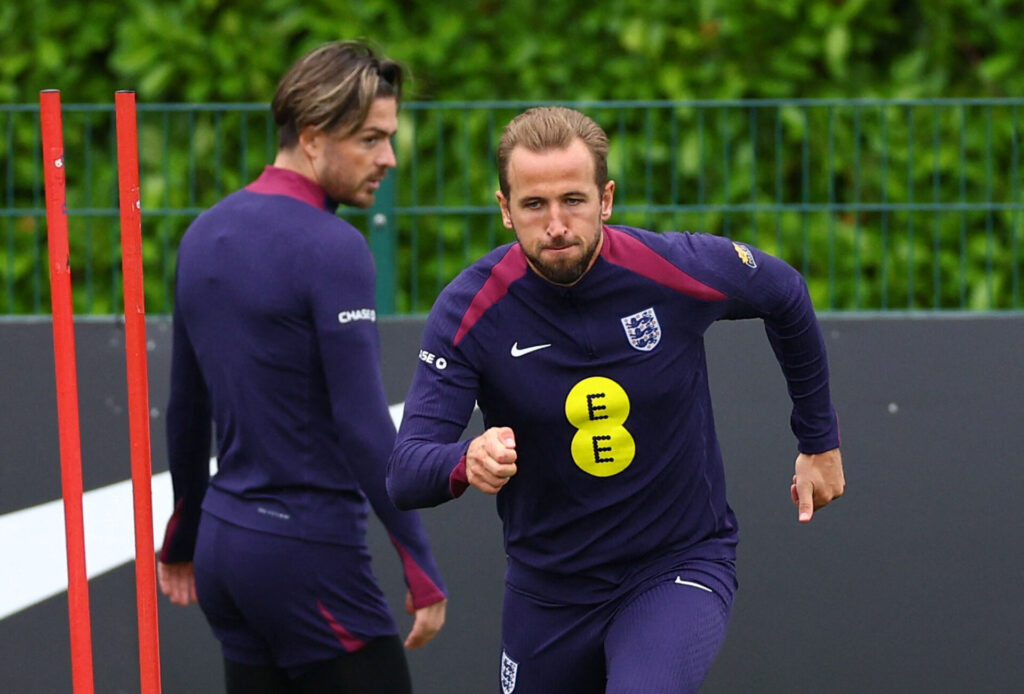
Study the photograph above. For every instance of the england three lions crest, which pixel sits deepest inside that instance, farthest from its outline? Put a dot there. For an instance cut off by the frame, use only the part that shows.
(643, 330)
(509, 668)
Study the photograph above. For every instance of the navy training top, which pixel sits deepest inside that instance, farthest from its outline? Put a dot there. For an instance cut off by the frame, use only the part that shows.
(605, 387)
(275, 338)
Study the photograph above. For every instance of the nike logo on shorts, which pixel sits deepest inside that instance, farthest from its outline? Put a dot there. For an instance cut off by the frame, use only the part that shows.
(517, 352)
(681, 582)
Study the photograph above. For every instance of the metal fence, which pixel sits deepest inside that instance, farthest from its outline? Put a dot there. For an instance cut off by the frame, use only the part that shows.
(882, 204)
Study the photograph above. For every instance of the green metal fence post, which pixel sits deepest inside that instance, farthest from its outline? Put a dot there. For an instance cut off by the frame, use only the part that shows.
(382, 244)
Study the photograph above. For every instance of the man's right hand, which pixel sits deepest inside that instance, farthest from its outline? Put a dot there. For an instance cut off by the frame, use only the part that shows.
(177, 582)
(491, 459)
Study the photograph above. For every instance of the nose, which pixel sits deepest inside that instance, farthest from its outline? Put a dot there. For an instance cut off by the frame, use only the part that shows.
(387, 156)
(556, 221)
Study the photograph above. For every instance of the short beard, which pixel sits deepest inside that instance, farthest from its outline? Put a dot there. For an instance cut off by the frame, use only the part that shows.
(565, 274)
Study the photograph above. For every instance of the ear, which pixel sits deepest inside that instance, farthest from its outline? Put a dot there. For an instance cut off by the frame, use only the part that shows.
(310, 141)
(506, 217)
(606, 200)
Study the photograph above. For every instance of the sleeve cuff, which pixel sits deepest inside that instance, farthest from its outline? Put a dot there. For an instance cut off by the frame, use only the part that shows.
(458, 482)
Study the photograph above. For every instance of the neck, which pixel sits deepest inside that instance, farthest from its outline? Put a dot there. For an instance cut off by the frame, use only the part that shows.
(294, 159)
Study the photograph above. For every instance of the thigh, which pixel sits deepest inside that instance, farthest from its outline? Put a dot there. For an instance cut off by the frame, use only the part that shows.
(665, 639)
(285, 602)
(549, 648)
(255, 679)
(378, 668)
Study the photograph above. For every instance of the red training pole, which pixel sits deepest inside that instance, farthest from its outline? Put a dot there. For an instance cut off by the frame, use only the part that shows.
(67, 388)
(138, 388)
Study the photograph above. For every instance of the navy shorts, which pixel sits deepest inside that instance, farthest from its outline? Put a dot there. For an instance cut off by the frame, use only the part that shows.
(285, 602)
(659, 637)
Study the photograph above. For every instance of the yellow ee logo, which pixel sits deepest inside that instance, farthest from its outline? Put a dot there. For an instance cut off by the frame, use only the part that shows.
(598, 407)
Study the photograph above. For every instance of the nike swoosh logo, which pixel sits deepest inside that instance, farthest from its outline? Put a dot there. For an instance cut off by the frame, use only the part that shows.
(516, 352)
(681, 582)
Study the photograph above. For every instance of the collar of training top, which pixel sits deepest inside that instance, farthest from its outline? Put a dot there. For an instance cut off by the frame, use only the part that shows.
(277, 181)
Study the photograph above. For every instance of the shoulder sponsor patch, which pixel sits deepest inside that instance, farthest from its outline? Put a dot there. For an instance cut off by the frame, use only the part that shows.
(642, 330)
(745, 255)
(358, 314)
(440, 363)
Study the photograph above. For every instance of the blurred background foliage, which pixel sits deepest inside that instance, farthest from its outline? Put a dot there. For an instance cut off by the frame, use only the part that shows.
(714, 159)
(217, 51)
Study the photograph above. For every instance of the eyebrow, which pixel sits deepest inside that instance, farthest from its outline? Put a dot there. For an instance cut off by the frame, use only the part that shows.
(566, 194)
(372, 130)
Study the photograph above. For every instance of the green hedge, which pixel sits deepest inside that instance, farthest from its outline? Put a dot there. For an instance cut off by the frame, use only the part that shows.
(205, 50)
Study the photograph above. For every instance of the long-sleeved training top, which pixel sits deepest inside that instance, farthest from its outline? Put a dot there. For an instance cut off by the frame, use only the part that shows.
(275, 338)
(605, 387)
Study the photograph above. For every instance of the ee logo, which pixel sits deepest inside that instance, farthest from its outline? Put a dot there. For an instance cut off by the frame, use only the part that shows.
(598, 408)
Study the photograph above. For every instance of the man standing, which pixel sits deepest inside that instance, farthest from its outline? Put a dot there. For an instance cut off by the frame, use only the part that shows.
(582, 344)
(275, 339)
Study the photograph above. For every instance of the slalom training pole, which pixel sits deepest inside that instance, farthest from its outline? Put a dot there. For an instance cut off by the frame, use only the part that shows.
(138, 388)
(67, 388)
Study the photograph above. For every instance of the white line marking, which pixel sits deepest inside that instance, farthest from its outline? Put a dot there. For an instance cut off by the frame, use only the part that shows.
(34, 547)
(396, 413)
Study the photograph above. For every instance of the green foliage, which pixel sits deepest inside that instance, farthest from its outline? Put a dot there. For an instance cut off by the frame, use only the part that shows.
(213, 50)
(703, 165)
